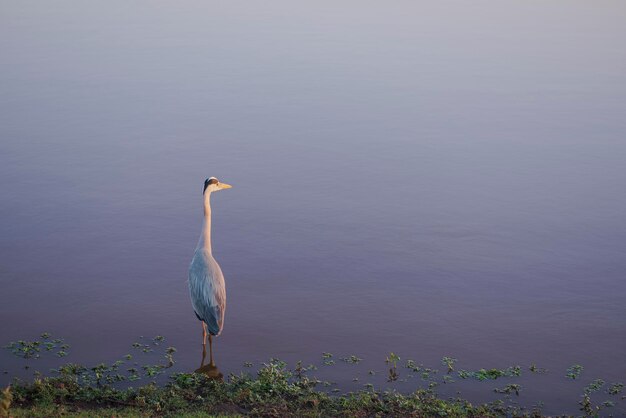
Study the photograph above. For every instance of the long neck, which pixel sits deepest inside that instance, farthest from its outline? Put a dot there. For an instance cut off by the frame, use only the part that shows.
(205, 237)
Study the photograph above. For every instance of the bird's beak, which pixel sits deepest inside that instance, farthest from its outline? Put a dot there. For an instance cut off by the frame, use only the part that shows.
(225, 186)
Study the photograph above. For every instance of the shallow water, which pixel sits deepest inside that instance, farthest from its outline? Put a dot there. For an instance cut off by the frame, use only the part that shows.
(428, 179)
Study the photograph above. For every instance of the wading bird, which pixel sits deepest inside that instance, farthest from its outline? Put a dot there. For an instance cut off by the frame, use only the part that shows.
(206, 281)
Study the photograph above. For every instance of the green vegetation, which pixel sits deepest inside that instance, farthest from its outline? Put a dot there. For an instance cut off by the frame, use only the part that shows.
(393, 370)
(594, 386)
(533, 368)
(574, 371)
(328, 359)
(491, 374)
(508, 389)
(352, 359)
(615, 388)
(32, 349)
(449, 363)
(274, 390)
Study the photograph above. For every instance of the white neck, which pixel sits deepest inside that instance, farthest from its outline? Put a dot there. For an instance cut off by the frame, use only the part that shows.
(205, 237)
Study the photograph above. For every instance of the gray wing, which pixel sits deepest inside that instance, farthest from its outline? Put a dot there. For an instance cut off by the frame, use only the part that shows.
(207, 290)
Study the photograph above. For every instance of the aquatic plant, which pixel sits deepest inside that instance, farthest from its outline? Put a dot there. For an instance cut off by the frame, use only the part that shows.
(393, 359)
(32, 349)
(352, 359)
(534, 369)
(426, 373)
(490, 374)
(573, 372)
(449, 363)
(328, 359)
(410, 364)
(615, 388)
(448, 379)
(169, 356)
(508, 389)
(594, 386)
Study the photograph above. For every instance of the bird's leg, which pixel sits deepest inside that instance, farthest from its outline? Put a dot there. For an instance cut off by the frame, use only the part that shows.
(211, 350)
(203, 355)
(203, 336)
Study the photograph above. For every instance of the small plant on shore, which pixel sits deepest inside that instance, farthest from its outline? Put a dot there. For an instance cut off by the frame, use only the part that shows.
(5, 401)
(587, 407)
(300, 371)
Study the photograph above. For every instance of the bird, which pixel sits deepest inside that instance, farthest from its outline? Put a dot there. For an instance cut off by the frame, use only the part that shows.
(207, 288)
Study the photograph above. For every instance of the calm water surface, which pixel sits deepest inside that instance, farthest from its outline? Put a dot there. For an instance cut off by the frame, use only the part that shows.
(433, 179)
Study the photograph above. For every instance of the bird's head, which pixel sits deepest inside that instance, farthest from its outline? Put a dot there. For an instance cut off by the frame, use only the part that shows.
(212, 184)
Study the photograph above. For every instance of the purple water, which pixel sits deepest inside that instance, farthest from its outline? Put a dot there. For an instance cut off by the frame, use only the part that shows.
(429, 179)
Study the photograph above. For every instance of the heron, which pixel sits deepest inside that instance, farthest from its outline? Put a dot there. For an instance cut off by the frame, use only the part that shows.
(206, 281)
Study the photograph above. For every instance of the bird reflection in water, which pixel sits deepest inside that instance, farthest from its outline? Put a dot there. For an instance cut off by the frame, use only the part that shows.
(209, 370)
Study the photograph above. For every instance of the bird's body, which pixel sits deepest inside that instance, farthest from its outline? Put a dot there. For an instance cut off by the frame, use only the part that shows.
(206, 281)
(207, 290)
